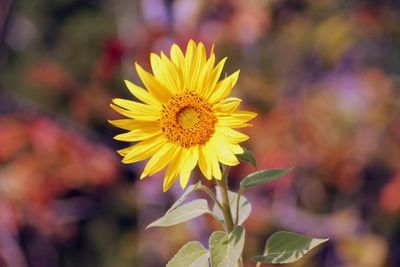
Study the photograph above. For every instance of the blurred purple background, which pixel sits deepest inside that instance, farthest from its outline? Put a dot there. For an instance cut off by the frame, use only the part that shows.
(323, 75)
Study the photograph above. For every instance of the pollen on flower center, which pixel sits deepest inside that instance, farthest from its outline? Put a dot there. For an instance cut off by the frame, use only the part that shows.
(188, 119)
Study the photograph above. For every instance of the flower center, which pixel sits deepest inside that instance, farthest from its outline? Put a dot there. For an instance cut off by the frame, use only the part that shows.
(188, 119)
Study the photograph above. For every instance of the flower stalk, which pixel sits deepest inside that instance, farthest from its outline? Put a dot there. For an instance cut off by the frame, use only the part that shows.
(226, 209)
(211, 195)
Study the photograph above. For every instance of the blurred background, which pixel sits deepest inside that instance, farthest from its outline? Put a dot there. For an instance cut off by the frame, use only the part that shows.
(323, 75)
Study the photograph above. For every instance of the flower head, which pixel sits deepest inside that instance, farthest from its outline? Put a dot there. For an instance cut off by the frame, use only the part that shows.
(185, 117)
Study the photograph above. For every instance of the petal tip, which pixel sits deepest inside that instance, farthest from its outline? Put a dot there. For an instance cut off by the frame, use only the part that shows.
(143, 175)
(127, 82)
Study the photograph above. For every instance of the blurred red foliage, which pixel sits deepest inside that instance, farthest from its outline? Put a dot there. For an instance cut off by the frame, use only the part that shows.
(41, 160)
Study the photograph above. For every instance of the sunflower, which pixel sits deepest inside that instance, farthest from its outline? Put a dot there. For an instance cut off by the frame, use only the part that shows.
(185, 117)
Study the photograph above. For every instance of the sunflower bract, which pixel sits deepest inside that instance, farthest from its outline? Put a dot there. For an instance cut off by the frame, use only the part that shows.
(184, 118)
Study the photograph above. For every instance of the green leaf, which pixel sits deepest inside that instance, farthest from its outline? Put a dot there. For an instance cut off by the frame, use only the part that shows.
(192, 254)
(286, 247)
(225, 249)
(182, 213)
(261, 177)
(244, 208)
(248, 157)
(190, 189)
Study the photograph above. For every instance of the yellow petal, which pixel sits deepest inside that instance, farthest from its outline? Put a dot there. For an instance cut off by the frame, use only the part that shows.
(144, 149)
(230, 135)
(212, 50)
(204, 163)
(191, 65)
(124, 151)
(198, 80)
(235, 148)
(177, 57)
(201, 56)
(131, 124)
(156, 89)
(159, 160)
(243, 115)
(211, 154)
(142, 94)
(139, 134)
(227, 105)
(203, 84)
(165, 73)
(224, 88)
(231, 122)
(122, 111)
(173, 169)
(175, 72)
(216, 73)
(188, 164)
(224, 154)
(236, 119)
(136, 110)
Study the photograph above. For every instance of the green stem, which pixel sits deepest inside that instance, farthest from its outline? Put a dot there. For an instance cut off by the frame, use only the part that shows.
(237, 205)
(215, 199)
(226, 209)
(212, 195)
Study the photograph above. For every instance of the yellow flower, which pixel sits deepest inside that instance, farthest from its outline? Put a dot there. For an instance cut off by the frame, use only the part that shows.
(185, 117)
